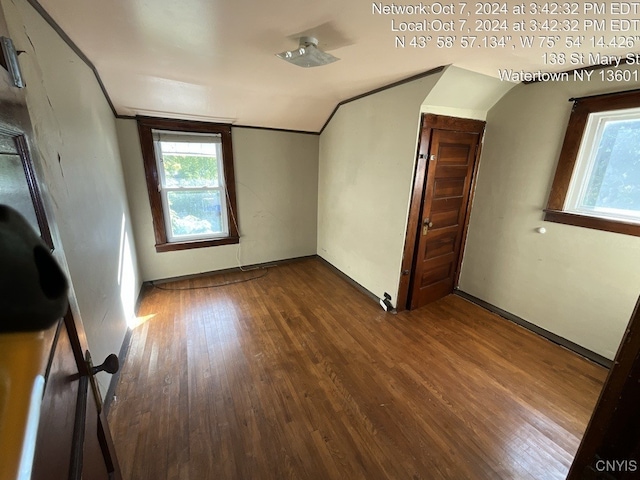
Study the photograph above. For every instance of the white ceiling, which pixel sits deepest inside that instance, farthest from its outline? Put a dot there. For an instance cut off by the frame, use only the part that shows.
(214, 59)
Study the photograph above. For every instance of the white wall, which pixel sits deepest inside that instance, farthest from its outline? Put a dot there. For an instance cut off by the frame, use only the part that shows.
(367, 157)
(277, 195)
(578, 283)
(79, 164)
(464, 94)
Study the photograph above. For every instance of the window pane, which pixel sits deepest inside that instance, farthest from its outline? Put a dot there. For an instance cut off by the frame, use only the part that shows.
(195, 213)
(186, 173)
(614, 183)
(190, 169)
(14, 189)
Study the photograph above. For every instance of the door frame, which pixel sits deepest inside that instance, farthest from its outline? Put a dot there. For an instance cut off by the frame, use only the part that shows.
(428, 123)
(608, 437)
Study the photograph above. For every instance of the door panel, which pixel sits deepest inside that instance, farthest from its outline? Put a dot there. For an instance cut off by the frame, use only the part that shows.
(55, 430)
(445, 213)
(452, 153)
(95, 456)
(69, 405)
(442, 242)
(452, 157)
(439, 270)
(448, 187)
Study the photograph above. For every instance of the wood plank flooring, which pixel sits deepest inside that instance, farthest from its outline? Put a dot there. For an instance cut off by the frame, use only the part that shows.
(299, 375)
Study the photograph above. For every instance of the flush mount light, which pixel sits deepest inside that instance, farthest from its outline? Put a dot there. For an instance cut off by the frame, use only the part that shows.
(307, 54)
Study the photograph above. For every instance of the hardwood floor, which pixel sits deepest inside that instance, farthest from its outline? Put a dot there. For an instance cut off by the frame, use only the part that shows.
(299, 375)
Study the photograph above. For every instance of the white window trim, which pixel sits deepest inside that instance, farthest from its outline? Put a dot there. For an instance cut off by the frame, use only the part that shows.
(164, 190)
(585, 162)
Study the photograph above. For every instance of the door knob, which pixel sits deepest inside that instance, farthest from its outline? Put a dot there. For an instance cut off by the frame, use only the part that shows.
(426, 225)
(110, 365)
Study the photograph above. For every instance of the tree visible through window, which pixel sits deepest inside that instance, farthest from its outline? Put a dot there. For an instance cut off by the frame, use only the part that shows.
(597, 182)
(608, 184)
(192, 185)
(191, 177)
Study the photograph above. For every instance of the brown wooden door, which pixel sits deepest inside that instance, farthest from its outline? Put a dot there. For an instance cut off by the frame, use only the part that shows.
(73, 439)
(450, 165)
(57, 414)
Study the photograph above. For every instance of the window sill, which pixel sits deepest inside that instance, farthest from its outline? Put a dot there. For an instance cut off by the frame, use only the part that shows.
(173, 246)
(596, 223)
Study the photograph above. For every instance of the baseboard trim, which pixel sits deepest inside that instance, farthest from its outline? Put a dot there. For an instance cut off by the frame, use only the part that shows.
(563, 342)
(253, 266)
(122, 356)
(351, 281)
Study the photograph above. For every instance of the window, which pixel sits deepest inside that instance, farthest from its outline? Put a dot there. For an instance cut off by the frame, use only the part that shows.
(189, 171)
(597, 181)
(19, 185)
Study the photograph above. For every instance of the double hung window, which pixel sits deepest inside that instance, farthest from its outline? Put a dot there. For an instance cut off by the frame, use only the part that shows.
(606, 180)
(597, 182)
(189, 171)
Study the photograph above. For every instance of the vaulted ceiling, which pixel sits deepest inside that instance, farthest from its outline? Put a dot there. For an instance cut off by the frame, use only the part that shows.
(214, 59)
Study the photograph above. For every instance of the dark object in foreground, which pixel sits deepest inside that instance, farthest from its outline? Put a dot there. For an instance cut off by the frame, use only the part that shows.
(33, 288)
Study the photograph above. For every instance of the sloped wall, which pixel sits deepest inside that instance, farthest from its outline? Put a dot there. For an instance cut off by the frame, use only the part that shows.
(80, 169)
(578, 283)
(367, 161)
(465, 94)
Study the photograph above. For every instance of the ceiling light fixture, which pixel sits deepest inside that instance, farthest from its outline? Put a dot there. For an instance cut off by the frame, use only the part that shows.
(307, 54)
